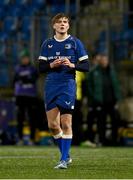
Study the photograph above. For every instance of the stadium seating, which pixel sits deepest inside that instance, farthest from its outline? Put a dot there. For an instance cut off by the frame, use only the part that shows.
(120, 43)
(4, 77)
(15, 29)
(17, 15)
(2, 13)
(9, 24)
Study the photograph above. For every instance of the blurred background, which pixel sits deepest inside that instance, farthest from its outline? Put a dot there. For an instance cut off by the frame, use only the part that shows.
(104, 26)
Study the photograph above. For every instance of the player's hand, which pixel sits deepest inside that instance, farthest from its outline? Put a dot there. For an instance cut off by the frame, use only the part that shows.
(56, 63)
(67, 62)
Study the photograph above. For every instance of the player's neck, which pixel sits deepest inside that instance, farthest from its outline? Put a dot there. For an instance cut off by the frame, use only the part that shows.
(60, 36)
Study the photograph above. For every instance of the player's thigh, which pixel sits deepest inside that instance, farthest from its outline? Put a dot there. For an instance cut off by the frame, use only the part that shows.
(53, 116)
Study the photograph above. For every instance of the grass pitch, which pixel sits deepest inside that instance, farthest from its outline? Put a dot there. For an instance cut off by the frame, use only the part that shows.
(38, 162)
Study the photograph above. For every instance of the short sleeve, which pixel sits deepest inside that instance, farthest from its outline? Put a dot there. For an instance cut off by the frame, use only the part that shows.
(81, 52)
(44, 51)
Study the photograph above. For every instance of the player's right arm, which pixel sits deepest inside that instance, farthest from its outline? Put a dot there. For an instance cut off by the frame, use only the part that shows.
(44, 65)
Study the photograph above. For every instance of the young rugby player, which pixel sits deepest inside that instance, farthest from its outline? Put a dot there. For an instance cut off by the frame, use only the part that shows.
(60, 56)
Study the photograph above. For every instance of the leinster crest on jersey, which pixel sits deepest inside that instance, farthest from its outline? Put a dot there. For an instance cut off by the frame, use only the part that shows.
(67, 46)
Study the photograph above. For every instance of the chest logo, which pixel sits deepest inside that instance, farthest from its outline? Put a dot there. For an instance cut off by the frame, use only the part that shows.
(50, 46)
(57, 53)
(67, 102)
(67, 46)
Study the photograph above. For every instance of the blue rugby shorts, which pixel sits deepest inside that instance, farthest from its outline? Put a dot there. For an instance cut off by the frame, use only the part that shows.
(61, 94)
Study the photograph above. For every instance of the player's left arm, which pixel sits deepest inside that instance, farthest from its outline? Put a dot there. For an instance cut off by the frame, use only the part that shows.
(80, 66)
(81, 55)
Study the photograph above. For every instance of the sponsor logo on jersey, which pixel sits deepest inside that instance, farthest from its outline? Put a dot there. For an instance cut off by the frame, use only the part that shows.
(57, 53)
(50, 46)
(67, 46)
(67, 102)
(61, 57)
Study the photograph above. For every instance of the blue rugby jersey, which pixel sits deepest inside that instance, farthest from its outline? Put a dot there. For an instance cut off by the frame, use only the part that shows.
(71, 48)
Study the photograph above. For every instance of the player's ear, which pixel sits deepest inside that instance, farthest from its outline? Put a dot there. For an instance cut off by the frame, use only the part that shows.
(54, 26)
(68, 26)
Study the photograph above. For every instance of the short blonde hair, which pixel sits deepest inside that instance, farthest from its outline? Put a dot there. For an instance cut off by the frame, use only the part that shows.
(58, 16)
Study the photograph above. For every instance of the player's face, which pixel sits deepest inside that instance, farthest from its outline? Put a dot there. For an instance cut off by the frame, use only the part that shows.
(61, 26)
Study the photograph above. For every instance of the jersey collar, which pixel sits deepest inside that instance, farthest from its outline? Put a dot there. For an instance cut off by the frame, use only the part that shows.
(61, 40)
